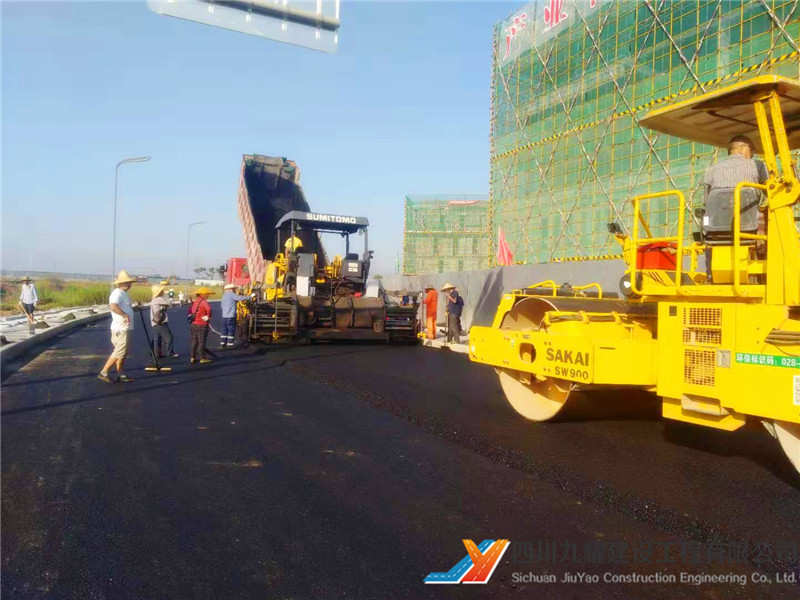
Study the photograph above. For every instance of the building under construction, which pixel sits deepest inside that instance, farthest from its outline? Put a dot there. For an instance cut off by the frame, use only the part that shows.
(570, 81)
(445, 233)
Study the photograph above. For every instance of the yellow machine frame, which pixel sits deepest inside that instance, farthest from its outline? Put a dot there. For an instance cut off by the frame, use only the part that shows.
(276, 272)
(715, 352)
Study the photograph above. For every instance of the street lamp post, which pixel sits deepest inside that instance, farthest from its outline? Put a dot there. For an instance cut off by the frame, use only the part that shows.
(188, 234)
(116, 180)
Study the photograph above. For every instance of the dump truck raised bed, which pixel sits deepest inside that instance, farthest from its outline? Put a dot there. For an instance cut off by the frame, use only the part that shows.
(269, 187)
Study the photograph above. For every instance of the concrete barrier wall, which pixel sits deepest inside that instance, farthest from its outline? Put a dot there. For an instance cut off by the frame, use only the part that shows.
(482, 289)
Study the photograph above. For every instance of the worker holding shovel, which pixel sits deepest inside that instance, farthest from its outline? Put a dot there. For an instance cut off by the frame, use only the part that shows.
(162, 335)
(28, 298)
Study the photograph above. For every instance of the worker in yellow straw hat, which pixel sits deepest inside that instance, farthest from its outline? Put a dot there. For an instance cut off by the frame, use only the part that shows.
(162, 334)
(28, 299)
(201, 313)
(121, 327)
(453, 307)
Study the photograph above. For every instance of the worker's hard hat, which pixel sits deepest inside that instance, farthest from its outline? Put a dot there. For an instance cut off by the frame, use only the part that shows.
(157, 290)
(203, 290)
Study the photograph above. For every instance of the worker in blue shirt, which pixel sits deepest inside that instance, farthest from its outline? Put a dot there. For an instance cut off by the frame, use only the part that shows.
(229, 300)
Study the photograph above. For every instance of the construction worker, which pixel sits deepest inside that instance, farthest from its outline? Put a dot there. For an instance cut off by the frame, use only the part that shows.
(739, 166)
(431, 302)
(121, 327)
(291, 247)
(453, 306)
(229, 300)
(201, 311)
(158, 322)
(293, 244)
(723, 176)
(28, 298)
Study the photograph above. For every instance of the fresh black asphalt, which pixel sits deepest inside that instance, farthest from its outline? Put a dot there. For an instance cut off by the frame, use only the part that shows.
(353, 471)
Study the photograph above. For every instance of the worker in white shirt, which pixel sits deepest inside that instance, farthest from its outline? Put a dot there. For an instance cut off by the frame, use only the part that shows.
(121, 327)
(28, 298)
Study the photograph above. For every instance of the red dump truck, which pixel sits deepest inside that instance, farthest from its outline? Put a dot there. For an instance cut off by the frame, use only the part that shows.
(237, 272)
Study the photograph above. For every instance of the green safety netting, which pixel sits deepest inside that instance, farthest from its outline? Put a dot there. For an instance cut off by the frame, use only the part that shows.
(570, 81)
(445, 233)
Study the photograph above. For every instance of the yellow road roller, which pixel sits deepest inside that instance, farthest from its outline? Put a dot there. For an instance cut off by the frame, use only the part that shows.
(718, 345)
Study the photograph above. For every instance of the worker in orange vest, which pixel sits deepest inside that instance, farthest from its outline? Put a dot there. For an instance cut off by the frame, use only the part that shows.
(431, 301)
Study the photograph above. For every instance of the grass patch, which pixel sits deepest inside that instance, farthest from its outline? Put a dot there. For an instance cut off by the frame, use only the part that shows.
(58, 293)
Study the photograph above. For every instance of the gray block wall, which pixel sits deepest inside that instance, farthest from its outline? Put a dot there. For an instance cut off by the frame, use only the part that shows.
(483, 289)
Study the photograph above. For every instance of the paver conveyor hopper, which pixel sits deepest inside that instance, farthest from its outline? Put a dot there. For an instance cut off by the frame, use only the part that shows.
(306, 297)
(717, 350)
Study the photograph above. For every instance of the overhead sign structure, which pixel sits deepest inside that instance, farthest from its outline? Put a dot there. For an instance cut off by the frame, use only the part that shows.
(308, 23)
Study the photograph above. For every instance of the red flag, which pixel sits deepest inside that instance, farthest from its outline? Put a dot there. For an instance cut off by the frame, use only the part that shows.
(504, 255)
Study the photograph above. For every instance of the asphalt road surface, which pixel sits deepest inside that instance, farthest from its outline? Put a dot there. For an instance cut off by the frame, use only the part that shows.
(355, 471)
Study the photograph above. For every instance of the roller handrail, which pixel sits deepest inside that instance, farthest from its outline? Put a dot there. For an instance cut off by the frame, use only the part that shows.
(555, 287)
(637, 217)
(547, 284)
(580, 288)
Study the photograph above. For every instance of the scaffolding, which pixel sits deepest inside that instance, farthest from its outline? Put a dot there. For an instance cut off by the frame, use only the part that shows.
(445, 233)
(570, 81)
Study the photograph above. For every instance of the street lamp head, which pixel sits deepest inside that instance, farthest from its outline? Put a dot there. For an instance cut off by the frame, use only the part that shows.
(134, 159)
(188, 237)
(114, 230)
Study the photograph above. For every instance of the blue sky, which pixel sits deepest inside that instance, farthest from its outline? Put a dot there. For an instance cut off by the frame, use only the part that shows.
(403, 107)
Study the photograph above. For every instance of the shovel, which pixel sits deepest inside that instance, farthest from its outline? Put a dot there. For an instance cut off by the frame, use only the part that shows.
(155, 366)
(30, 318)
